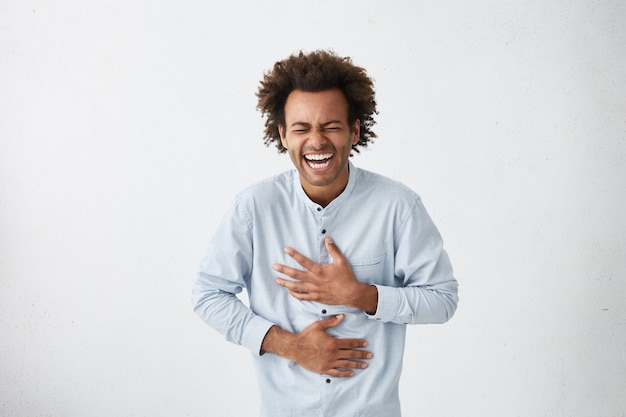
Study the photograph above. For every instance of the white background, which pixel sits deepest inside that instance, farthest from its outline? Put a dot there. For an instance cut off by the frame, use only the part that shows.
(126, 128)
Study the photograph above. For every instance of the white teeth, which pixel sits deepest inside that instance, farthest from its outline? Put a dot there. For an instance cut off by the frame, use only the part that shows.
(318, 157)
(318, 166)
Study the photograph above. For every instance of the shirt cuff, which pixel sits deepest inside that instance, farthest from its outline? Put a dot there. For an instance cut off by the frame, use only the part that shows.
(387, 304)
(256, 330)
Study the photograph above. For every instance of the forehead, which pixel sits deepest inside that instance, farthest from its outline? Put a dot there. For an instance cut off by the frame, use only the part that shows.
(316, 106)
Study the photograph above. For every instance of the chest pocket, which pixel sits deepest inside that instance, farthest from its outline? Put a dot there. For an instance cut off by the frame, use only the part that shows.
(369, 270)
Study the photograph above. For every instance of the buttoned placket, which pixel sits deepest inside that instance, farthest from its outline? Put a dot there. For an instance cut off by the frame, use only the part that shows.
(323, 231)
(323, 255)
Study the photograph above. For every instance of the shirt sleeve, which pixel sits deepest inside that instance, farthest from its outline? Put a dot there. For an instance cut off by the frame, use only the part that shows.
(222, 274)
(427, 291)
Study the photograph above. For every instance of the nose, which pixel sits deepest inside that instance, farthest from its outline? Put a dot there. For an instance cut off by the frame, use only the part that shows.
(317, 138)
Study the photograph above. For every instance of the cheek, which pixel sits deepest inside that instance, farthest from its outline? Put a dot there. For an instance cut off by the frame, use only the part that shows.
(347, 145)
(294, 155)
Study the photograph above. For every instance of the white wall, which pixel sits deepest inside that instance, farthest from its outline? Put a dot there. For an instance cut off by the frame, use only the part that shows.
(125, 129)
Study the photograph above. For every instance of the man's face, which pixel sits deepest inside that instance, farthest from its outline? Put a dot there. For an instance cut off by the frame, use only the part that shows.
(319, 139)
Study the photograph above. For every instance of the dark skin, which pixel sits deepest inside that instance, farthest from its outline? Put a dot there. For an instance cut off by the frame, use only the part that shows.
(333, 284)
(317, 124)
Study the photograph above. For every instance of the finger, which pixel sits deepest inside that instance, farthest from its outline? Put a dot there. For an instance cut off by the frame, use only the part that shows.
(351, 364)
(352, 344)
(331, 321)
(305, 262)
(290, 272)
(340, 373)
(332, 248)
(348, 354)
(292, 286)
(304, 296)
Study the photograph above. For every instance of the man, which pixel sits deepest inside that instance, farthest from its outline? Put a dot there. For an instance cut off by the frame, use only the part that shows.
(336, 260)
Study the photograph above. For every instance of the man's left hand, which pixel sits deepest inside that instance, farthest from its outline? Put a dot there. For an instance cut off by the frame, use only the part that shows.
(332, 284)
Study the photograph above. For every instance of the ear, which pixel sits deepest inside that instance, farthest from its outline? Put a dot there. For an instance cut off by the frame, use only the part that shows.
(283, 139)
(356, 131)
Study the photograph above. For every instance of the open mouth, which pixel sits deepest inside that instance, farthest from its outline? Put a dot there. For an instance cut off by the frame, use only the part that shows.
(318, 161)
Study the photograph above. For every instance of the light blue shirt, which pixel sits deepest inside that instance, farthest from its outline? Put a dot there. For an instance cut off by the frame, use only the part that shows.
(390, 241)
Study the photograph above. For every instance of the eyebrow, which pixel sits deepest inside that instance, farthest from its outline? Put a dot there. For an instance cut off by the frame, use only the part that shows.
(327, 123)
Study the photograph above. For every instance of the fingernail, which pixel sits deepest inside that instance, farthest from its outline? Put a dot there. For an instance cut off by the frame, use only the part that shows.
(369, 356)
(275, 267)
(329, 239)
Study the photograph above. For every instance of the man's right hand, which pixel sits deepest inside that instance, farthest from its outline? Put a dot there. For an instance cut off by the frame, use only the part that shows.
(316, 350)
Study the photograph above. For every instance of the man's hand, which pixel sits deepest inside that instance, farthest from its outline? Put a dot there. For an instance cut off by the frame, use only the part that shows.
(316, 350)
(332, 284)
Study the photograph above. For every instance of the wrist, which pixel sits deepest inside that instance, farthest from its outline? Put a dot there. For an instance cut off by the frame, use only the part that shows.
(366, 298)
(277, 341)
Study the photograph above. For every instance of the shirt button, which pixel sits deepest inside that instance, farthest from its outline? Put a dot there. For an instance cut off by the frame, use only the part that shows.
(323, 311)
(323, 231)
(328, 380)
(319, 209)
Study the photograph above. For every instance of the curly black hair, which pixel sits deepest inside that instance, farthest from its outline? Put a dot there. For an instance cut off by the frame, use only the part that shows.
(312, 72)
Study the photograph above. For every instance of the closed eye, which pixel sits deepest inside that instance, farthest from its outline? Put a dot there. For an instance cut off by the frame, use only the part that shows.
(300, 128)
(332, 126)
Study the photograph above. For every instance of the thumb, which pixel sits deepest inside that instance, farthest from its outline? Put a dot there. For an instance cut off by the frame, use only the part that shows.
(332, 248)
(331, 321)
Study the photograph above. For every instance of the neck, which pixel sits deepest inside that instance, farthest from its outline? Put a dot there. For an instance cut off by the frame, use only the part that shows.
(325, 194)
